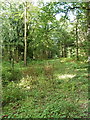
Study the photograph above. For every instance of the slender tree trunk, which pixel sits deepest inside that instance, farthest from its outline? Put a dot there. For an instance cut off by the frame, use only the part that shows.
(12, 60)
(62, 51)
(88, 40)
(17, 56)
(88, 35)
(25, 36)
(65, 51)
(77, 54)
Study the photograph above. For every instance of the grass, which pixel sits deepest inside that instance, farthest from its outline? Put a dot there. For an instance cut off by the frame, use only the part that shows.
(48, 89)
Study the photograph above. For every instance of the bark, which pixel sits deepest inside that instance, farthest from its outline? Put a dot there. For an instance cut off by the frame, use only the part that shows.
(65, 51)
(88, 39)
(25, 36)
(16, 56)
(77, 54)
(62, 51)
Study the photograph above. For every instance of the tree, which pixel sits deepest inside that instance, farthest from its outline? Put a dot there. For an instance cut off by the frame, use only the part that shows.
(88, 38)
(25, 33)
(35, 33)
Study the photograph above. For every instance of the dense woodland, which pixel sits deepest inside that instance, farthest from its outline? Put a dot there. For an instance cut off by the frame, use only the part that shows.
(45, 59)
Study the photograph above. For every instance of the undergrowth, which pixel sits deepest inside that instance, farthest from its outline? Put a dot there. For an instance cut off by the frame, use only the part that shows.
(48, 89)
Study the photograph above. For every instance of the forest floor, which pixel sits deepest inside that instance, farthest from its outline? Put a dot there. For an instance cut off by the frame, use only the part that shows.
(56, 88)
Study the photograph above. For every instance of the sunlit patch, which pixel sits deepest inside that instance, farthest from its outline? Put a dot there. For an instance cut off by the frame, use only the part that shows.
(83, 69)
(28, 87)
(66, 76)
(25, 82)
(67, 60)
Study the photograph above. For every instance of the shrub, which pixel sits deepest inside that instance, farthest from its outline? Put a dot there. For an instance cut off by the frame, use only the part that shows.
(10, 75)
(12, 93)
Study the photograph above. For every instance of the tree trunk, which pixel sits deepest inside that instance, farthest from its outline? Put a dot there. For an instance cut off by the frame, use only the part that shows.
(25, 39)
(17, 56)
(65, 51)
(62, 51)
(77, 54)
(88, 39)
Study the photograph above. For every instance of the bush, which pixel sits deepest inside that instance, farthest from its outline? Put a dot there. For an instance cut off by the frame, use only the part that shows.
(10, 75)
(12, 93)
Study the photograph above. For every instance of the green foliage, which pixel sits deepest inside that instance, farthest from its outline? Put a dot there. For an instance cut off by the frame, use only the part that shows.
(9, 74)
(40, 96)
(12, 93)
(60, 109)
(47, 37)
(53, 88)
